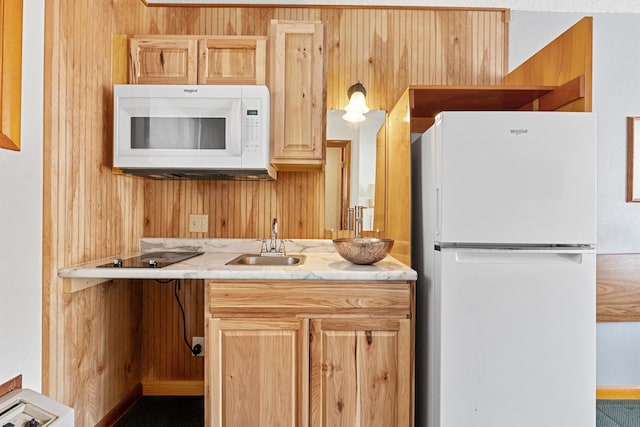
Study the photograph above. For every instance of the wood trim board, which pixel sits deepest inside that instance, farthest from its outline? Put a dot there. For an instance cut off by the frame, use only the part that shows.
(618, 288)
(172, 388)
(10, 73)
(618, 392)
(633, 138)
(121, 407)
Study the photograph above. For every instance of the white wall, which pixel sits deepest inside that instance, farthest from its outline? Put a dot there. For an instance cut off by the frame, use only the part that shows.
(616, 95)
(21, 220)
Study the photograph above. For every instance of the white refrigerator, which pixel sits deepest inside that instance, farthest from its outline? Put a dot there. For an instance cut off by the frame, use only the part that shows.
(503, 238)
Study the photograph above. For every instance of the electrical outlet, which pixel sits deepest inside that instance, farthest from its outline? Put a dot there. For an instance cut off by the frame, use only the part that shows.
(198, 340)
(198, 223)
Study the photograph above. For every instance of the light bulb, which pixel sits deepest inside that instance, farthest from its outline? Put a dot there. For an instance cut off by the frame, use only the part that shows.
(357, 104)
(354, 117)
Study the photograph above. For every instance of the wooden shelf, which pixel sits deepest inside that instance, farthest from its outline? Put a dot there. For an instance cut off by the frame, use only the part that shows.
(427, 101)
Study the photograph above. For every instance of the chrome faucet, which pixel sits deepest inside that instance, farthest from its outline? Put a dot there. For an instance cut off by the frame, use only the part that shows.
(274, 235)
(358, 220)
(273, 249)
(355, 220)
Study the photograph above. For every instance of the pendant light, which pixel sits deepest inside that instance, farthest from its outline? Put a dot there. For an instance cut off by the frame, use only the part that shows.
(357, 107)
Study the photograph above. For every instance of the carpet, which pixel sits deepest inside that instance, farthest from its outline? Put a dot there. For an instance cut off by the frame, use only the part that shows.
(618, 413)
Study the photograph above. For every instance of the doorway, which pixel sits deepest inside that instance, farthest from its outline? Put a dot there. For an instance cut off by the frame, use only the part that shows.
(337, 184)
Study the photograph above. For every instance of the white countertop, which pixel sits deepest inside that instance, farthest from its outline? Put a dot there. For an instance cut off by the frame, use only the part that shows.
(321, 263)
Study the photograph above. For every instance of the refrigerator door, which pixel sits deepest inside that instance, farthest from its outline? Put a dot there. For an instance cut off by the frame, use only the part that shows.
(513, 339)
(515, 177)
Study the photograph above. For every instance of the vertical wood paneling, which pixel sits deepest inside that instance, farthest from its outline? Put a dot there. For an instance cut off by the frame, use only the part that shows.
(163, 329)
(397, 179)
(92, 338)
(103, 330)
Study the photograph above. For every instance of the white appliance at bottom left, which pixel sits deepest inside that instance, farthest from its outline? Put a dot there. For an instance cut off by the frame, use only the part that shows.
(24, 407)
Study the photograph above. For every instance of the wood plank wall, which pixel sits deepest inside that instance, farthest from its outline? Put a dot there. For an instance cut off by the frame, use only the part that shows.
(90, 339)
(91, 357)
(385, 49)
(165, 354)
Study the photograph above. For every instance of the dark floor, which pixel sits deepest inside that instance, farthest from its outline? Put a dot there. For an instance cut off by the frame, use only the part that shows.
(618, 413)
(160, 411)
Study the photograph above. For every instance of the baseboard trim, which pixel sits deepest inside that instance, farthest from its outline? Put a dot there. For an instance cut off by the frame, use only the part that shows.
(618, 392)
(172, 388)
(121, 407)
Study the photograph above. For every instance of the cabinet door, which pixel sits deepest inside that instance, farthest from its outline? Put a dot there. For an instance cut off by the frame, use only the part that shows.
(361, 373)
(163, 60)
(258, 372)
(297, 85)
(232, 60)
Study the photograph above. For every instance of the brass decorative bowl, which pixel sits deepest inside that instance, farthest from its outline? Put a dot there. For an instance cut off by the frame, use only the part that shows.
(363, 250)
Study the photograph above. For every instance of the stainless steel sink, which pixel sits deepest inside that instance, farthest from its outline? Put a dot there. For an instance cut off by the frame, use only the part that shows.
(265, 260)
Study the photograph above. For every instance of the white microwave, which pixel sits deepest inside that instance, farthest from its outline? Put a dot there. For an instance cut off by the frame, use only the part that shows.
(195, 131)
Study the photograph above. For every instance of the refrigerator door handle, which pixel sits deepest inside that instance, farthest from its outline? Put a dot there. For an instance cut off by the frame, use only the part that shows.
(437, 226)
(518, 257)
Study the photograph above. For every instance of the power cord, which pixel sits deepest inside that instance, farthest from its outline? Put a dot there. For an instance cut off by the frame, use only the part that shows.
(196, 349)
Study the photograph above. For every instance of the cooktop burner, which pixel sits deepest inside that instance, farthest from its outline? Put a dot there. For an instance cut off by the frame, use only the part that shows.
(151, 260)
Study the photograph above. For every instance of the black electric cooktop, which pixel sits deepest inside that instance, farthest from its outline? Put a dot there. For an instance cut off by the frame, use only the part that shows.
(151, 260)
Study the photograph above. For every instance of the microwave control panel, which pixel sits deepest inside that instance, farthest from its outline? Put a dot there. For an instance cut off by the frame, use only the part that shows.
(255, 131)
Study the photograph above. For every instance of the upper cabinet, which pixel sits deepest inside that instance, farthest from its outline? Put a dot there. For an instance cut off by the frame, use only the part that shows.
(296, 67)
(296, 79)
(157, 59)
(232, 60)
(163, 60)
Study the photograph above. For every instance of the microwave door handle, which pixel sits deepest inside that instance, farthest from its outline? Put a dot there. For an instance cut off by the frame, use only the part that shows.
(236, 148)
(238, 140)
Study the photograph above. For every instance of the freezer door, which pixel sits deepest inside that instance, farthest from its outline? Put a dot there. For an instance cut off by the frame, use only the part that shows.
(513, 339)
(515, 177)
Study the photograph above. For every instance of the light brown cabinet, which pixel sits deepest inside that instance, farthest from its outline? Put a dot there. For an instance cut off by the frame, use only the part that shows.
(255, 375)
(174, 59)
(297, 73)
(163, 60)
(361, 372)
(232, 60)
(309, 354)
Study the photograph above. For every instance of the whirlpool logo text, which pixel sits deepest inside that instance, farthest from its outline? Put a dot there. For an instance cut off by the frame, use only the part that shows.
(518, 131)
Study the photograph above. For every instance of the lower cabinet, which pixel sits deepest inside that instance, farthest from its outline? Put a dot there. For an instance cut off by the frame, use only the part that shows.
(313, 358)
(257, 375)
(360, 373)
